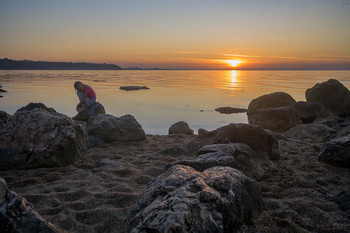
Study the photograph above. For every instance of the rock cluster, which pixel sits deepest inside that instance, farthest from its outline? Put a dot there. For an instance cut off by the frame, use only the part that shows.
(235, 155)
(219, 199)
(18, 215)
(279, 111)
(38, 138)
(318, 120)
(248, 148)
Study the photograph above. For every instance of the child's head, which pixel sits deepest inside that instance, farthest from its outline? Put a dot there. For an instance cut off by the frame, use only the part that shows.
(79, 86)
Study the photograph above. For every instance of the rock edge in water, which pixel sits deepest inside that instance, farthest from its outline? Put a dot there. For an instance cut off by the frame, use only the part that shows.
(230, 110)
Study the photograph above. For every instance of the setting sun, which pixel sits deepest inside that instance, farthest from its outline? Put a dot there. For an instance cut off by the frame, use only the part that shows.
(233, 63)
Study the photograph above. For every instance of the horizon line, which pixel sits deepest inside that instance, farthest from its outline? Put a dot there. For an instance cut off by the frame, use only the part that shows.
(156, 68)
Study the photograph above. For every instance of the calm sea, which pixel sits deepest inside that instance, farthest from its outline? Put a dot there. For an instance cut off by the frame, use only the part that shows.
(173, 96)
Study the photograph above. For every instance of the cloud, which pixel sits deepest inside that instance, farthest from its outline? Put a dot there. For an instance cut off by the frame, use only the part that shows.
(241, 55)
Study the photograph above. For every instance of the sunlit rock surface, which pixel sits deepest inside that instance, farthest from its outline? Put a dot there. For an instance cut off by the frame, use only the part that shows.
(218, 199)
(38, 138)
(110, 128)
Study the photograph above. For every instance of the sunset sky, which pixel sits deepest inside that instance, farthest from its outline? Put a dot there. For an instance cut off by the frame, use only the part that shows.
(180, 34)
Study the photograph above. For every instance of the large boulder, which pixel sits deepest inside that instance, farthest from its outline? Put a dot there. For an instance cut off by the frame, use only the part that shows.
(180, 127)
(37, 138)
(84, 115)
(273, 100)
(235, 155)
(333, 95)
(18, 215)
(256, 137)
(276, 119)
(110, 128)
(219, 199)
(336, 152)
(273, 111)
(308, 112)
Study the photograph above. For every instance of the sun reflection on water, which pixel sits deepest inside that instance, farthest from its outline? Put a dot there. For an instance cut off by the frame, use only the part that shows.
(233, 77)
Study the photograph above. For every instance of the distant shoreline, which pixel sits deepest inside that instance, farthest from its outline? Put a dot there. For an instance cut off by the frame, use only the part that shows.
(8, 64)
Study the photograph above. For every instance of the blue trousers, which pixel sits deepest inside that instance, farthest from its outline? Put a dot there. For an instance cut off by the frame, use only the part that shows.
(89, 102)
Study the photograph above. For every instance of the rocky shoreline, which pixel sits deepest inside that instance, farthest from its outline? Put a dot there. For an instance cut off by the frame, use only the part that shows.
(285, 171)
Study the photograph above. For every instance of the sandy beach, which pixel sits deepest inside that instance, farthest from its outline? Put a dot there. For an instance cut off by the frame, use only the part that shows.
(83, 199)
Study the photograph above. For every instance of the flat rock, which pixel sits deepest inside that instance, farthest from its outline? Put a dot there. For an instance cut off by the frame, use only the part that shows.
(331, 121)
(38, 138)
(333, 95)
(311, 132)
(18, 215)
(133, 88)
(110, 128)
(219, 199)
(180, 127)
(235, 155)
(336, 152)
(230, 110)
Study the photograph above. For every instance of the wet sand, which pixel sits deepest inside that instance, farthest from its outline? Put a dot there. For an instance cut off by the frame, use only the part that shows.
(84, 198)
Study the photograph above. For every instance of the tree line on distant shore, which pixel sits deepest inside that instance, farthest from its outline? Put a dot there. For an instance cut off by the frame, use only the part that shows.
(8, 64)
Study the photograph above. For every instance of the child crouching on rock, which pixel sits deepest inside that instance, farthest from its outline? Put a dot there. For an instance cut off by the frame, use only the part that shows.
(87, 97)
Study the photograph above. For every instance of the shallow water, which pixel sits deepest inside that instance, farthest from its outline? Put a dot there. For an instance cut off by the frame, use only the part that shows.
(173, 96)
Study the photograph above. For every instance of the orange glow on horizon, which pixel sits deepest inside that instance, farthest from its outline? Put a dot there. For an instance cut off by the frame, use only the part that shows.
(233, 63)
